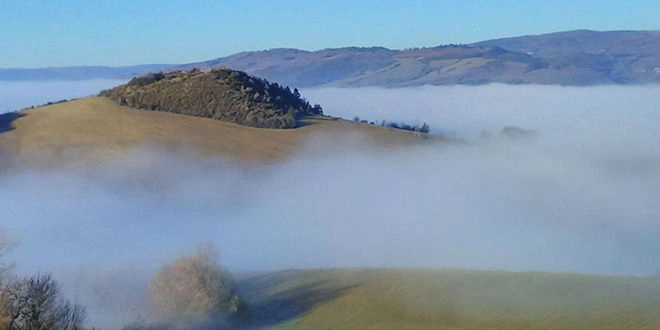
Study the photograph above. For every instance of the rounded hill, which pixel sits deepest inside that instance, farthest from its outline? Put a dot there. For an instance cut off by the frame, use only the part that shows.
(221, 94)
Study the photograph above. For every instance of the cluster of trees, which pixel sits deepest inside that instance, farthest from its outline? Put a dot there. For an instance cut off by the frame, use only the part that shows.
(47, 104)
(283, 97)
(424, 128)
(194, 292)
(437, 47)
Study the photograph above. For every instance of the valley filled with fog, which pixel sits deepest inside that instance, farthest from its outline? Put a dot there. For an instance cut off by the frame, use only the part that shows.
(17, 95)
(579, 195)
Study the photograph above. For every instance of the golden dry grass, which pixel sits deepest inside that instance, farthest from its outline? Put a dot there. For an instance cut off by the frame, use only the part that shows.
(96, 129)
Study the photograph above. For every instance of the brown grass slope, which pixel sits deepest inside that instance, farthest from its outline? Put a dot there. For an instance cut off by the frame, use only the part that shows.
(450, 299)
(95, 129)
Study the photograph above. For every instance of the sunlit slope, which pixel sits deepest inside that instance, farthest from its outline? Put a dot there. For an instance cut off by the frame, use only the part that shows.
(451, 299)
(96, 128)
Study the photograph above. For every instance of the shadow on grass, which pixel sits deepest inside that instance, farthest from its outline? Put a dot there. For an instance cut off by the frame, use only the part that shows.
(310, 120)
(7, 119)
(302, 123)
(278, 299)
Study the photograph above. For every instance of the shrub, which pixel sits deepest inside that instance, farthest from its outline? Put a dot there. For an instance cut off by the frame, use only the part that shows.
(425, 128)
(195, 292)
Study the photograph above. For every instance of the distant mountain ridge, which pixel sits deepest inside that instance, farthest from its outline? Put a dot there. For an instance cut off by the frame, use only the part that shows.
(579, 58)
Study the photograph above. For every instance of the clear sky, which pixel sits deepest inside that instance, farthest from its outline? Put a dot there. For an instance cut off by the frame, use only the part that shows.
(44, 33)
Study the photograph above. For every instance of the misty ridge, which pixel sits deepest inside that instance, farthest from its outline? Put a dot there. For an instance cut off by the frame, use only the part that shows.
(580, 196)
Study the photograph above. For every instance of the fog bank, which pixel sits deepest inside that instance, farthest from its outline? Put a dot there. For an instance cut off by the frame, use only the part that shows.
(17, 95)
(580, 196)
(595, 114)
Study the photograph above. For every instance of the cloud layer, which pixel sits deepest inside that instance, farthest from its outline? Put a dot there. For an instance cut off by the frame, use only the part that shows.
(579, 197)
(18, 95)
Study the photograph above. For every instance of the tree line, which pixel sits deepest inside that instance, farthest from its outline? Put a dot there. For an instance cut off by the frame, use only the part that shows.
(424, 128)
(193, 292)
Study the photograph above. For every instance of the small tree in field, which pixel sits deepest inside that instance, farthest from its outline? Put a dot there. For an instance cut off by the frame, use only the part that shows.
(425, 128)
(194, 291)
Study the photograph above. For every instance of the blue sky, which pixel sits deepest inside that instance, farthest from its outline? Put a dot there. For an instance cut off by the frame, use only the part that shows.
(116, 32)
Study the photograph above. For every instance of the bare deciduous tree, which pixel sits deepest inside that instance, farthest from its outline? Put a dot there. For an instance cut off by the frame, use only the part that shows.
(6, 242)
(36, 303)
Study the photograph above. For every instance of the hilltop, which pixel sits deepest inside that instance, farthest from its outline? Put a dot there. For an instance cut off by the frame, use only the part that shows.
(579, 58)
(219, 93)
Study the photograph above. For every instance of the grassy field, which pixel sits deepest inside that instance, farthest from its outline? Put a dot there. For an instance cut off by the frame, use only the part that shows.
(95, 129)
(450, 299)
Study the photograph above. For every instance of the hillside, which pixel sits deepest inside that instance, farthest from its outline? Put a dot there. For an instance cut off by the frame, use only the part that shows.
(567, 58)
(92, 130)
(579, 58)
(355, 67)
(221, 94)
(590, 57)
(450, 299)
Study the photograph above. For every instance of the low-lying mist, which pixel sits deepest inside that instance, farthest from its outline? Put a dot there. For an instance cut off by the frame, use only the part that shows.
(564, 114)
(579, 196)
(17, 95)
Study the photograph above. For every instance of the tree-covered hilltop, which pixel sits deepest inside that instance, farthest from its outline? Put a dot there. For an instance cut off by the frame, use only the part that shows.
(221, 94)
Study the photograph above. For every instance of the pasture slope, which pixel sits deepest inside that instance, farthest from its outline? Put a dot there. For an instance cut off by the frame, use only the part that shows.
(92, 130)
(450, 299)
